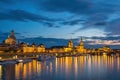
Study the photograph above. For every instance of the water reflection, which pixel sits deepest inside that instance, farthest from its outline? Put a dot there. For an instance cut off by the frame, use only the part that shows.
(0, 71)
(66, 68)
(8, 72)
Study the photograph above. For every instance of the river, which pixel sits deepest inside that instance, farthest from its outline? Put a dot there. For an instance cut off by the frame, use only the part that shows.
(65, 68)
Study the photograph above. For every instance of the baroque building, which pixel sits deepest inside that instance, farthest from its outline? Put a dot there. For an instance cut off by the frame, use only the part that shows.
(104, 49)
(41, 48)
(11, 40)
(33, 48)
(69, 48)
(62, 49)
(56, 49)
(8, 44)
(80, 48)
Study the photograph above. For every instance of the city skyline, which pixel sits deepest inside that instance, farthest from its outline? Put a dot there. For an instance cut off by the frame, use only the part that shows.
(57, 21)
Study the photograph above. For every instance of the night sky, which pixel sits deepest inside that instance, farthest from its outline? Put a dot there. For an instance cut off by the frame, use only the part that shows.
(54, 22)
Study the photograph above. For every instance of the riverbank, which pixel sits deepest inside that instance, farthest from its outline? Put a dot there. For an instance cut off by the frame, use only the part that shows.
(36, 55)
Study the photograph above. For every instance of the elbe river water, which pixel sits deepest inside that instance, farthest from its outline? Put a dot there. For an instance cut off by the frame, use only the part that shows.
(65, 68)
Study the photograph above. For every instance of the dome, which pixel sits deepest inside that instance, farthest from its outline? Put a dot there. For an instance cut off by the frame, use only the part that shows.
(12, 35)
(11, 39)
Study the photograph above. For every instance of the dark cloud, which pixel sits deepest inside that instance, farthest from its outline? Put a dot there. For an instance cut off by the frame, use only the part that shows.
(100, 24)
(73, 6)
(79, 6)
(73, 22)
(21, 15)
(110, 27)
(51, 24)
(24, 16)
(114, 27)
(98, 20)
(104, 38)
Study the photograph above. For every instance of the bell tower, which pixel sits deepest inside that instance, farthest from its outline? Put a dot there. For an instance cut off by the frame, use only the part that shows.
(70, 44)
(81, 42)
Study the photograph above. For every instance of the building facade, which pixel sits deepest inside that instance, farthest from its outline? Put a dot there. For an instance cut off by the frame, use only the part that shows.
(104, 49)
(80, 48)
(33, 48)
(69, 47)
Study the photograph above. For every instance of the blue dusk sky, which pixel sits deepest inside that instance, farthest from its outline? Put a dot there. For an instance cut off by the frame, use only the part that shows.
(54, 22)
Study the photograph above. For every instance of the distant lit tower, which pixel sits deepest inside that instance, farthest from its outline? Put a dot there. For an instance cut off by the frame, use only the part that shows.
(81, 43)
(80, 48)
(70, 43)
(69, 47)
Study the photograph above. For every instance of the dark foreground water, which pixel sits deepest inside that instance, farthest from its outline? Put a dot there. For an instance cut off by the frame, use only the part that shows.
(65, 68)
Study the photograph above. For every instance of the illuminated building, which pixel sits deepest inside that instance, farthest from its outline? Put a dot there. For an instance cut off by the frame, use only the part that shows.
(11, 40)
(4, 48)
(104, 49)
(91, 50)
(9, 43)
(69, 48)
(80, 48)
(56, 49)
(41, 48)
(62, 49)
(28, 49)
(33, 48)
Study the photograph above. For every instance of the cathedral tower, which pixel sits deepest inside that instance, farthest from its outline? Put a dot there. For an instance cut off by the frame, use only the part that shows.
(81, 43)
(70, 44)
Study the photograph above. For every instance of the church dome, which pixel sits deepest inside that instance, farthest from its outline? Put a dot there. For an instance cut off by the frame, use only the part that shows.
(12, 36)
(11, 39)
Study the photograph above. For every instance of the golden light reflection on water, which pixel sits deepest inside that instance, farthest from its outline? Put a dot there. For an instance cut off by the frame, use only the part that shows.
(65, 66)
(76, 66)
(39, 67)
(118, 63)
(0, 71)
(51, 67)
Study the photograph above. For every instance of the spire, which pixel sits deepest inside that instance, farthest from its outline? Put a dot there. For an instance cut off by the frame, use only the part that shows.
(71, 40)
(81, 39)
(70, 43)
(81, 42)
(12, 32)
